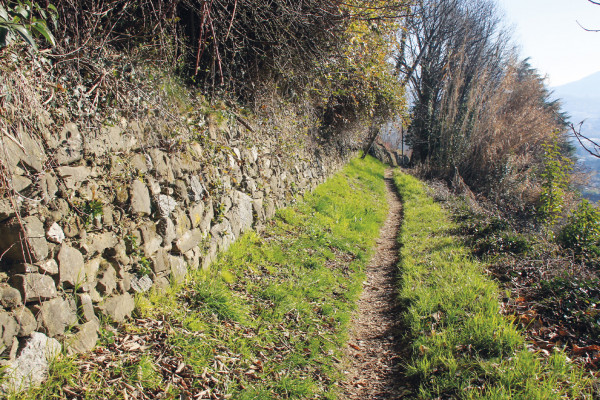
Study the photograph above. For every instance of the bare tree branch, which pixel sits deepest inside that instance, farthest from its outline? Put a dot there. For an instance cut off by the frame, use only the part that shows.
(587, 29)
(589, 145)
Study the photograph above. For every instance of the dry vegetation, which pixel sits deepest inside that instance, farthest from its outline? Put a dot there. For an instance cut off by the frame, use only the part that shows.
(305, 53)
(324, 60)
(480, 114)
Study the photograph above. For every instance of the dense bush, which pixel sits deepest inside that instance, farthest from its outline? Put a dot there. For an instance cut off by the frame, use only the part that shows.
(330, 58)
(582, 230)
(555, 177)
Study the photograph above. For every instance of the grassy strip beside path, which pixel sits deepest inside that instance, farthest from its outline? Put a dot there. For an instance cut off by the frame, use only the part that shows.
(269, 319)
(462, 346)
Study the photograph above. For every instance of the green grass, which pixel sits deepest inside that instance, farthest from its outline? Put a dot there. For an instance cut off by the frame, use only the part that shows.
(270, 317)
(285, 297)
(462, 346)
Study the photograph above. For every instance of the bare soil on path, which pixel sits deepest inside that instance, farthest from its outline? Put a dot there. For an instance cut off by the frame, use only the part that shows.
(375, 347)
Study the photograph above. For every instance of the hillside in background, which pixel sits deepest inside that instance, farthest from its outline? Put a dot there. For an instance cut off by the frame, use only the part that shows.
(581, 100)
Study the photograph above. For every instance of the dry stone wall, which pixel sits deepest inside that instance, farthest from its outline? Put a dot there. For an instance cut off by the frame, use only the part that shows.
(89, 220)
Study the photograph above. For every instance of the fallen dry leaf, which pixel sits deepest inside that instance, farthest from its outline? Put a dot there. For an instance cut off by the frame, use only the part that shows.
(587, 349)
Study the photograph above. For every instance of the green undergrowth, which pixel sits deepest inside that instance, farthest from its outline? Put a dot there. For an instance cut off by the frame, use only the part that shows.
(269, 319)
(462, 346)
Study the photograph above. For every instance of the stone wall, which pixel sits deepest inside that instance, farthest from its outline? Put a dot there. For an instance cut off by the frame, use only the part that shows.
(89, 220)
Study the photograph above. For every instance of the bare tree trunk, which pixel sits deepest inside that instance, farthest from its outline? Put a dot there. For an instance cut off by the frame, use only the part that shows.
(402, 129)
(373, 133)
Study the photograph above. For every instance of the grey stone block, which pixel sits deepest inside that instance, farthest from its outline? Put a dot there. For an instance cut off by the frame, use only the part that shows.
(141, 284)
(25, 320)
(196, 214)
(84, 340)
(166, 229)
(188, 241)
(85, 307)
(71, 267)
(70, 148)
(240, 215)
(10, 297)
(140, 198)
(56, 315)
(151, 239)
(119, 307)
(55, 234)
(8, 329)
(107, 279)
(96, 243)
(74, 176)
(178, 268)
(10, 240)
(49, 267)
(160, 262)
(30, 368)
(166, 205)
(34, 287)
(196, 188)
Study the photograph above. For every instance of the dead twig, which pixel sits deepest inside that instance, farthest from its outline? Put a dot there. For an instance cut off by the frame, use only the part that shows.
(11, 137)
(6, 251)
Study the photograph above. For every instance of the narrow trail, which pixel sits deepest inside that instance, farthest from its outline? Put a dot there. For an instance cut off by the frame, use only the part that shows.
(375, 344)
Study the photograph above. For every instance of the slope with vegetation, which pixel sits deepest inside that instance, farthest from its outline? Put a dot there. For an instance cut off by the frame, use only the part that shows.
(485, 126)
(325, 59)
(461, 344)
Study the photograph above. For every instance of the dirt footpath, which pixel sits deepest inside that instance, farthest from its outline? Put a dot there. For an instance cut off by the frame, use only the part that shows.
(373, 353)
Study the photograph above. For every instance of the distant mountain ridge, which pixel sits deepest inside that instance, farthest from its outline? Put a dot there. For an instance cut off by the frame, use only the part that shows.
(581, 100)
(588, 87)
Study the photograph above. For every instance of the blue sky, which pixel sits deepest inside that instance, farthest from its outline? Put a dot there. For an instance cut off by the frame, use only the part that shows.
(548, 33)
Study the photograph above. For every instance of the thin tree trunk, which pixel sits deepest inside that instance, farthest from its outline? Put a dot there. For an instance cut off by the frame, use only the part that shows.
(373, 133)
